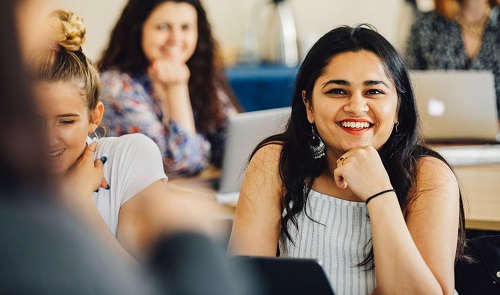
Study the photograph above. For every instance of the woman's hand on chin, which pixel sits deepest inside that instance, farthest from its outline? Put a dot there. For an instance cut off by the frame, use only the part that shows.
(168, 72)
(362, 170)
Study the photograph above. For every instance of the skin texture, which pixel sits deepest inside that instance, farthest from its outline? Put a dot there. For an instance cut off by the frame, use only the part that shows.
(412, 256)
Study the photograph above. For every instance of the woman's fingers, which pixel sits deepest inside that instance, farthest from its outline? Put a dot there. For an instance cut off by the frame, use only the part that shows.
(99, 165)
(169, 71)
(339, 179)
(363, 171)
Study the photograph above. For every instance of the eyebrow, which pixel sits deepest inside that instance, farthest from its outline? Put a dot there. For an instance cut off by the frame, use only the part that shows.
(347, 83)
(67, 115)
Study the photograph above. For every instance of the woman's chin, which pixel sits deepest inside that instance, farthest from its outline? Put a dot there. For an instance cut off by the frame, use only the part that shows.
(58, 171)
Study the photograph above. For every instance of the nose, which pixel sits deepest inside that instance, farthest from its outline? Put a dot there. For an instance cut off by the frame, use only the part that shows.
(52, 137)
(175, 35)
(356, 104)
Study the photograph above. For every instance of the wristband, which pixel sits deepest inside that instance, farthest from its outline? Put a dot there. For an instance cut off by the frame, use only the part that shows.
(378, 194)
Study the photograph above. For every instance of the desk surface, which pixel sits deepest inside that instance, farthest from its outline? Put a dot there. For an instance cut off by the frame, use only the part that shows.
(480, 188)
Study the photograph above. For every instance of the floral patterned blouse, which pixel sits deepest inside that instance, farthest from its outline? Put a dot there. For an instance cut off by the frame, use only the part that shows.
(131, 107)
(435, 43)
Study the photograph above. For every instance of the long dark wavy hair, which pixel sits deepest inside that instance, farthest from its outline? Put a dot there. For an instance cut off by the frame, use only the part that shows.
(399, 154)
(124, 52)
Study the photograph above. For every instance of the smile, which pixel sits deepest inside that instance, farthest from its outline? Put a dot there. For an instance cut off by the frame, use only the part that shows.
(355, 125)
(56, 153)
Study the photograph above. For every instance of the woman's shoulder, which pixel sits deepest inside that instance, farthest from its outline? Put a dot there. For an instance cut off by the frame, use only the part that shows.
(270, 151)
(495, 16)
(434, 171)
(430, 19)
(129, 143)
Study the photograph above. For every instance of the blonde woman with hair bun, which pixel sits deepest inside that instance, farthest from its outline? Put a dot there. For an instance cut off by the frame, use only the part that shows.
(457, 35)
(117, 183)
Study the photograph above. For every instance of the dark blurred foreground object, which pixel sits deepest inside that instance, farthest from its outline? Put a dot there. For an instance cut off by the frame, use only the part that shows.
(189, 263)
(482, 274)
(46, 251)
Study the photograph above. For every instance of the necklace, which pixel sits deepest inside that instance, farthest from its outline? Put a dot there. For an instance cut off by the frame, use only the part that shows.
(475, 28)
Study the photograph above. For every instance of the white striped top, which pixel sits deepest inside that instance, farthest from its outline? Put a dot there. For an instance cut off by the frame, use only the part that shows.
(340, 239)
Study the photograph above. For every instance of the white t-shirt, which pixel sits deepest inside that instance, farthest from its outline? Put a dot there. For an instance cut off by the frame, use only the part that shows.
(134, 163)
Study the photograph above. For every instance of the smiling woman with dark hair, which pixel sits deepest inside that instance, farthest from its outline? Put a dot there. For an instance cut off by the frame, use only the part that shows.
(349, 181)
(163, 77)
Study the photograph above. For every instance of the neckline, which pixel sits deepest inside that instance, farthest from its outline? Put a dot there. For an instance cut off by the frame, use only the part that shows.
(336, 200)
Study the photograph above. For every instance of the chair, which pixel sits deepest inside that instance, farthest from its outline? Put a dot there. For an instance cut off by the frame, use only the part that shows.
(481, 274)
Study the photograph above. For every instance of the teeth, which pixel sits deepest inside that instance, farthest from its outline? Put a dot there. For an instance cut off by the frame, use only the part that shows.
(172, 50)
(53, 154)
(357, 125)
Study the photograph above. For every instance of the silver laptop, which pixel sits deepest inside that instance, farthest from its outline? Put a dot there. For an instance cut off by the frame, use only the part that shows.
(245, 131)
(456, 106)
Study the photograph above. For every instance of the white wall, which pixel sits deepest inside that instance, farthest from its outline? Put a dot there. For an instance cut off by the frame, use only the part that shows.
(99, 16)
(228, 18)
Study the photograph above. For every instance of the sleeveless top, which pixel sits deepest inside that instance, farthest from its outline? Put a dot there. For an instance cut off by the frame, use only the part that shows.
(339, 236)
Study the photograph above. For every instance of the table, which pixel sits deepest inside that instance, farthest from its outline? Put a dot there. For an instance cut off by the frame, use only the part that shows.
(262, 87)
(481, 189)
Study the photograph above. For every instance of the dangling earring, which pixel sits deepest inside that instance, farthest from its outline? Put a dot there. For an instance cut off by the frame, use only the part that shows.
(396, 126)
(316, 145)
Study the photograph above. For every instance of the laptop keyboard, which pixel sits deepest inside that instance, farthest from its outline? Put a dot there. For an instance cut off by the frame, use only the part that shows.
(469, 155)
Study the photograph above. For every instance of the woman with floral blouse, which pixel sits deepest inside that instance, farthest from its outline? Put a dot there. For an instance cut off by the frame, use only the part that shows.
(162, 77)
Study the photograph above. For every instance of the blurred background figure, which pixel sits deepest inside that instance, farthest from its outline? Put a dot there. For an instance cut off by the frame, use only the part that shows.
(457, 35)
(162, 77)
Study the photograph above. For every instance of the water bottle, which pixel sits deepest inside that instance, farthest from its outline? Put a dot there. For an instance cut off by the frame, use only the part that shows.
(280, 44)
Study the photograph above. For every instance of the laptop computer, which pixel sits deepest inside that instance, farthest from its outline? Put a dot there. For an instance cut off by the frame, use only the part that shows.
(245, 131)
(289, 275)
(456, 106)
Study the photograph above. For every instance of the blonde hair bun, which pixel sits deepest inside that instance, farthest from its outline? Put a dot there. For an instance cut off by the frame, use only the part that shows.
(67, 29)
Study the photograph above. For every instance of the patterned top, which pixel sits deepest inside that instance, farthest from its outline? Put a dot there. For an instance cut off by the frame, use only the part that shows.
(339, 236)
(132, 107)
(435, 43)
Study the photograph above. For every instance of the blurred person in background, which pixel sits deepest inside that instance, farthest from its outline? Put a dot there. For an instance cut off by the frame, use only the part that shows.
(163, 77)
(457, 35)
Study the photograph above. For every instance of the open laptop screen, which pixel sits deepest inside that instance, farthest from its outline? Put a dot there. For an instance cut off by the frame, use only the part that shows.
(456, 106)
